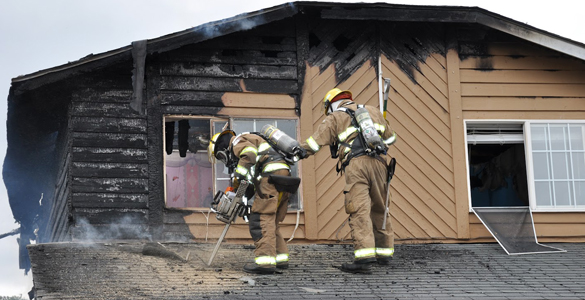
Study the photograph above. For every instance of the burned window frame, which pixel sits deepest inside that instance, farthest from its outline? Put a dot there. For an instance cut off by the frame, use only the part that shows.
(213, 122)
(218, 168)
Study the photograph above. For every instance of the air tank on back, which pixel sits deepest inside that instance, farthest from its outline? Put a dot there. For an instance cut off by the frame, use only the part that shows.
(368, 130)
(282, 141)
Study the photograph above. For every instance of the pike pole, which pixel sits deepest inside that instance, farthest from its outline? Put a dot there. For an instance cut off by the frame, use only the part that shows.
(392, 161)
(391, 168)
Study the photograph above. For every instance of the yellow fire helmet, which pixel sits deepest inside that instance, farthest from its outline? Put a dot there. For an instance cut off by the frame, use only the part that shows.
(220, 154)
(328, 99)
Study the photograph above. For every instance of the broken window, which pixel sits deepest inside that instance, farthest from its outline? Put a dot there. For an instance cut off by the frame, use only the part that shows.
(190, 179)
(497, 168)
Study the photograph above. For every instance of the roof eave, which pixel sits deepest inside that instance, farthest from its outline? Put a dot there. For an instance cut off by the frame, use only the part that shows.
(172, 41)
(461, 14)
(347, 11)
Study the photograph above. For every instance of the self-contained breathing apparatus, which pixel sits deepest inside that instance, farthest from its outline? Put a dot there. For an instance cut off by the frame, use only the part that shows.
(367, 142)
(289, 148)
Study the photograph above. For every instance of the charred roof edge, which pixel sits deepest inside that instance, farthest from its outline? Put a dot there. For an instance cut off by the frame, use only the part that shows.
(384, 11)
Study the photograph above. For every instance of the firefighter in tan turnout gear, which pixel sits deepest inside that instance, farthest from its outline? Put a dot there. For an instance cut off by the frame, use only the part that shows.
(252, 158)
(362, 152)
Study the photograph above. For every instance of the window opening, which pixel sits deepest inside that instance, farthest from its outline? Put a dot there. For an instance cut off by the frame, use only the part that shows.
(189, 176)
(190, 179)
(497, 165)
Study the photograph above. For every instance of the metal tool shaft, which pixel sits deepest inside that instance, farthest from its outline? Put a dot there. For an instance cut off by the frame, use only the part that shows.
(225, 230)
(386, 211)
(391, 168)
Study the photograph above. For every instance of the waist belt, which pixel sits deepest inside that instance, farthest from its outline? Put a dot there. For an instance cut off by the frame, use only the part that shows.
(285, 183)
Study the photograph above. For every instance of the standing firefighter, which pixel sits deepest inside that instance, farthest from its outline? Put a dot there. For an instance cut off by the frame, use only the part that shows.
(359, 136)
(251, 157)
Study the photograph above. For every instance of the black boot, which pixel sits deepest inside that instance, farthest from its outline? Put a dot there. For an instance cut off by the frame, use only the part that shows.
(356, 268)
(363, 261)
(255, 268)
(282, 265)
(384, 260)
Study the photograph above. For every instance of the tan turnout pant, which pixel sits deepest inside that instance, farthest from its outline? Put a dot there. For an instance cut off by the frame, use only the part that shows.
(365, 198)
(267, 213)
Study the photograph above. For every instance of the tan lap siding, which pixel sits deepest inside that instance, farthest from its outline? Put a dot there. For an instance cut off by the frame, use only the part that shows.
(519, 81)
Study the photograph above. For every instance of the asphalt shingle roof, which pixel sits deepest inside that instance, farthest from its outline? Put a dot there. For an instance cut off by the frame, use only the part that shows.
(427, 271)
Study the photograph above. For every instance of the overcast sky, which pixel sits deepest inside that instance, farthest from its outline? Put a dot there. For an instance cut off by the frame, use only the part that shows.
(40, 34)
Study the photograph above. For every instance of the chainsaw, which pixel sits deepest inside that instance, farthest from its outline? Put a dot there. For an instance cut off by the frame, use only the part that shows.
(228, 206)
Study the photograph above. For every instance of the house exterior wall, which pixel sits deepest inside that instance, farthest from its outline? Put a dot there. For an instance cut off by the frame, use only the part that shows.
(509, 79)
(439, 77)
(112, 176)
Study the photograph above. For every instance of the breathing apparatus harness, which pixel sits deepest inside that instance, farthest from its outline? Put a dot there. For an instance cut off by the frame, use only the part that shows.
(367, 142)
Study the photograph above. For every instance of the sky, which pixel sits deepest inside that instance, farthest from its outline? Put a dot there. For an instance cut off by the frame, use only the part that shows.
(40, 34)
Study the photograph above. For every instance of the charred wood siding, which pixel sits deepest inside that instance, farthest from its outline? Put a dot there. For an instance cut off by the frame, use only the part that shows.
(109, 165)
(194, 80)
(56, 228)
(262, 60)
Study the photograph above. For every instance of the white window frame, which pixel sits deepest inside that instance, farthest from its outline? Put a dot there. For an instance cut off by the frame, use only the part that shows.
(527, 140)
(298, 165)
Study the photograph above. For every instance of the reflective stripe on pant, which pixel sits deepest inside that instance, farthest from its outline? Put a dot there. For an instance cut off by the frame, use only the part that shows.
(264, 221)
(365, 199)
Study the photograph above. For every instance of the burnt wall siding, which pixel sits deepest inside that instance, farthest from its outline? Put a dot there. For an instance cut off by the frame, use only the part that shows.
(109, 163)
(193, 78)
(58, 212)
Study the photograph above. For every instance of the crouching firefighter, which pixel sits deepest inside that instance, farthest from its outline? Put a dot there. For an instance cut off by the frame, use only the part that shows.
(264, 159)
(359, 137)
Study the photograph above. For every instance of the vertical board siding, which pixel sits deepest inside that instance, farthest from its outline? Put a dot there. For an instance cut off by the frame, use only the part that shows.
(108, 169)
(514, 79)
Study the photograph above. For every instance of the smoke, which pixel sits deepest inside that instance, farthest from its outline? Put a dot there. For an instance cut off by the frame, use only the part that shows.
(226, 26)
(126, 227)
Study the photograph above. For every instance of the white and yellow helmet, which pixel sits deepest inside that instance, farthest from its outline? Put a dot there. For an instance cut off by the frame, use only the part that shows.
(213, 152)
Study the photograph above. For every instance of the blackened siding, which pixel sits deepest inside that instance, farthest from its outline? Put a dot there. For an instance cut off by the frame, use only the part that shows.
(58, 212)
(194, 78)
(261, 60)
(109, 164)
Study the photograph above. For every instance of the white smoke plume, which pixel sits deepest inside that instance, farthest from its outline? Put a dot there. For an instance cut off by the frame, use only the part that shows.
(126, 227)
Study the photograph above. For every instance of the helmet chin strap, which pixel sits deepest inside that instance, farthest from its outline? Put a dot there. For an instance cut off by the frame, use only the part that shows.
(333, 107)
